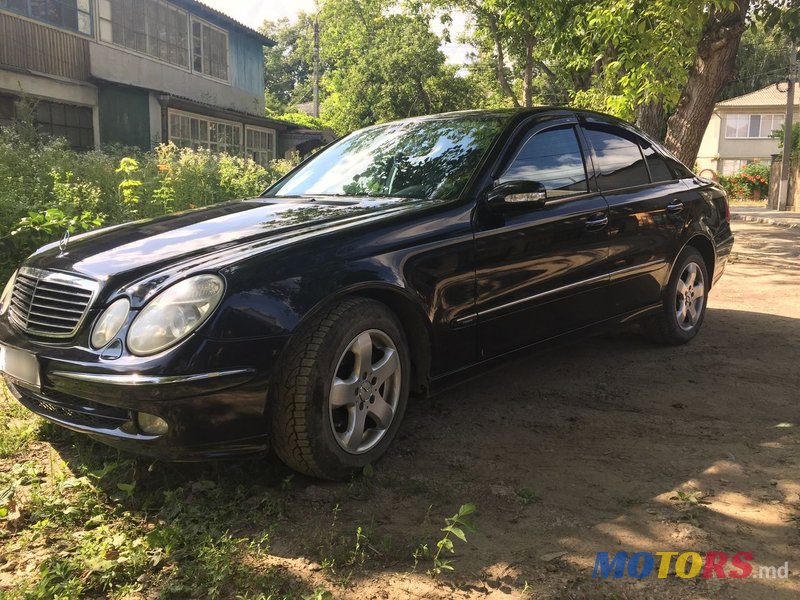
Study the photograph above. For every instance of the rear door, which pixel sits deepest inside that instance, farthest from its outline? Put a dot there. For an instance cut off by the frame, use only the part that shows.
(543, 271)
(648, 208)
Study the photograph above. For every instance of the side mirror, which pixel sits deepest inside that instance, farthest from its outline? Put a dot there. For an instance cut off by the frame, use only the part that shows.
(517, 195)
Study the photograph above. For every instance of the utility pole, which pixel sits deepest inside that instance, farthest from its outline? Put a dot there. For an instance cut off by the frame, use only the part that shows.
(316, 65)
(783, 189)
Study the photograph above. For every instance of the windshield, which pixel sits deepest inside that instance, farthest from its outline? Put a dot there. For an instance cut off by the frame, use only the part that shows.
(417, 159)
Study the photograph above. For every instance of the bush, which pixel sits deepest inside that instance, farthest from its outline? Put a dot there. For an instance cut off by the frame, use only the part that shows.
(749, 180)
(45, 187)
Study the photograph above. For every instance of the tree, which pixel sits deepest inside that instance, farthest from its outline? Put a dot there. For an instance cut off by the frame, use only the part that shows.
(384, 65)
(288, 65)
(762, 60)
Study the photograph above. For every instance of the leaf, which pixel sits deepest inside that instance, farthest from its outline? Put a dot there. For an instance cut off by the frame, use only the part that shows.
(126, 487)
(456, 531)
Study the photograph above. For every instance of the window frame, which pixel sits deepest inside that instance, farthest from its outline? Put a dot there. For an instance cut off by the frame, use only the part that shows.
(203, 23)
(612, 127)
(110, 42)
(750, 116)
(269, 132)
(527, 136)
(209, 121)
(28, 14)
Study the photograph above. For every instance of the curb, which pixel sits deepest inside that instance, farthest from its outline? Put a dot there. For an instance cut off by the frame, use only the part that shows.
(763, 220)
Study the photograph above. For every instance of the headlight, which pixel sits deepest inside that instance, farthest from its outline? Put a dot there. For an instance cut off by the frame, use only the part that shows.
(174, 313)
(110, 322)
(5, 299)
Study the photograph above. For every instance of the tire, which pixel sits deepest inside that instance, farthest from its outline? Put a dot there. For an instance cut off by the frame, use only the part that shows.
(326, 420)
(684, 305)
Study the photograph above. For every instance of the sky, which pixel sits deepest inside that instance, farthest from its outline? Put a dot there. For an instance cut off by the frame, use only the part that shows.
(253, 12)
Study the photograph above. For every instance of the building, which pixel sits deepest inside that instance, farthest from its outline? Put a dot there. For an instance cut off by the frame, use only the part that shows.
(139, 72)
(740, 128)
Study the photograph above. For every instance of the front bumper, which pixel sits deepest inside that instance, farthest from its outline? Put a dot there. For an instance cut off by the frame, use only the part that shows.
(212, 394)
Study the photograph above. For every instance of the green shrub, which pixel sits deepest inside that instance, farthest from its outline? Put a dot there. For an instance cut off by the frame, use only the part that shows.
(750, 179)
(45, 187)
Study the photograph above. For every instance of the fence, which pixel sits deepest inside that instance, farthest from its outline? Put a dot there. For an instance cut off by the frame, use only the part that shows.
(793, 197)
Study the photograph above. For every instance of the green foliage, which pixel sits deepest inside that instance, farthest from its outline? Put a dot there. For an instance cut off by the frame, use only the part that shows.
(762, 59)
(386, 65)
(299, 118)
(455, 527)
(779, 134)
(288, 64)
(46, 188)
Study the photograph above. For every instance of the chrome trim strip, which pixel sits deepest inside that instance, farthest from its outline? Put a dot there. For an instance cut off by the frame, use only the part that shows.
(646, 267)
(563, 288)
(135, 379)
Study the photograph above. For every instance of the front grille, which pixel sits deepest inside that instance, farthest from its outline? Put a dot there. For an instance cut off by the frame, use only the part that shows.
(50, 304)
(73, 410)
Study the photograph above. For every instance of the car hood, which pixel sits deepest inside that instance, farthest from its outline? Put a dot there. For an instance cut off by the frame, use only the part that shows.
(159, 242)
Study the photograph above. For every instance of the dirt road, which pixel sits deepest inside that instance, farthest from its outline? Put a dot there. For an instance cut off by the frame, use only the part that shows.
(585, 449)
(613, 444)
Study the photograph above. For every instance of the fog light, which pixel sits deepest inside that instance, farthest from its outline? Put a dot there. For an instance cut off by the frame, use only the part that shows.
(151, 424)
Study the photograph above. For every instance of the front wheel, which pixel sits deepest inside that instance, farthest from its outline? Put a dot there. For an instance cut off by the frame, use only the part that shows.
(684, 301)
(341, 390)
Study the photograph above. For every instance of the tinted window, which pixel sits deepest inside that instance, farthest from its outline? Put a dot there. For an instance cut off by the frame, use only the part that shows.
(554, 159)
(408, 159)
(619, 160)
(659, 171)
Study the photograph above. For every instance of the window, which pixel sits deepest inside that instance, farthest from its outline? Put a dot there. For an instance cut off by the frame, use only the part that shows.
(553, 158)
(64, 120)
(731, 166)
(151, 27)
(260, 144)
(209, 50)
(75, 15)
(752, 126)
(195, 131)
(659, 171)
(619, 160)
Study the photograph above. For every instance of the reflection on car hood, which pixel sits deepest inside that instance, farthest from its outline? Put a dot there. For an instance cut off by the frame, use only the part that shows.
(157, 242)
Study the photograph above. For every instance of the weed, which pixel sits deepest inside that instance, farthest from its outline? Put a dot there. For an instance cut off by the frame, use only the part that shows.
(454, 528)
(527, 496)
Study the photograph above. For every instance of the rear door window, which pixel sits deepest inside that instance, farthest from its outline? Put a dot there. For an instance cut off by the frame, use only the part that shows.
(620, 163)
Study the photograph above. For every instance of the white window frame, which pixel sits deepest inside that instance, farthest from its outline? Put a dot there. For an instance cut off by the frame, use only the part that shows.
(270, 152)
(204, 143)
(749, 116)
(737, 163)
(192, 20)
(104, 21)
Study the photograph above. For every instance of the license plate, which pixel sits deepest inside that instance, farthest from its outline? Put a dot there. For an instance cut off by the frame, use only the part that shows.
(19, 367)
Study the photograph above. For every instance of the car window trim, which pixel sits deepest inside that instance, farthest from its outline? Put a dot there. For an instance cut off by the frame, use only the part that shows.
(520, 137)
(585, 123)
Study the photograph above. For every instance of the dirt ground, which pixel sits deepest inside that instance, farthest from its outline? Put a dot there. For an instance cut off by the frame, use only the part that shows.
(585, 448)
(610, 444)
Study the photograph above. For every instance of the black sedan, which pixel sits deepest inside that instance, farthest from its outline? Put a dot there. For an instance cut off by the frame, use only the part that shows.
(399, 260)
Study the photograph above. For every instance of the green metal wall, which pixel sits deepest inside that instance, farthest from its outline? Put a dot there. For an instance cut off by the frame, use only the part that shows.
(124, 116)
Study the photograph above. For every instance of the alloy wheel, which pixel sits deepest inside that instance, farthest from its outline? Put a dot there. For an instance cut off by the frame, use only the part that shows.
(365, 391)
(690, 296)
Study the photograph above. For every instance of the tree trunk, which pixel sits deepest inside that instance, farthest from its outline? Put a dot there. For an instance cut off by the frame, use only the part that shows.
(650, 118)
(528, 75)
(714, 67)
(501, 61)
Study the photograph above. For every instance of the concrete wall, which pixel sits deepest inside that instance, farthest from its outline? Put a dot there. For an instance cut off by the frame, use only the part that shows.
(120, 66)
(709, 148)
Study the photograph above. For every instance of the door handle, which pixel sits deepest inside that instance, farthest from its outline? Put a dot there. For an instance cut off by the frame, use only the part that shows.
(675, 206)
(597, 222)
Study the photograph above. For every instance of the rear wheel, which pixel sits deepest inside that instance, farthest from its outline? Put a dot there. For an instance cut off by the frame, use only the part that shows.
(684, 301)
(342, 389)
